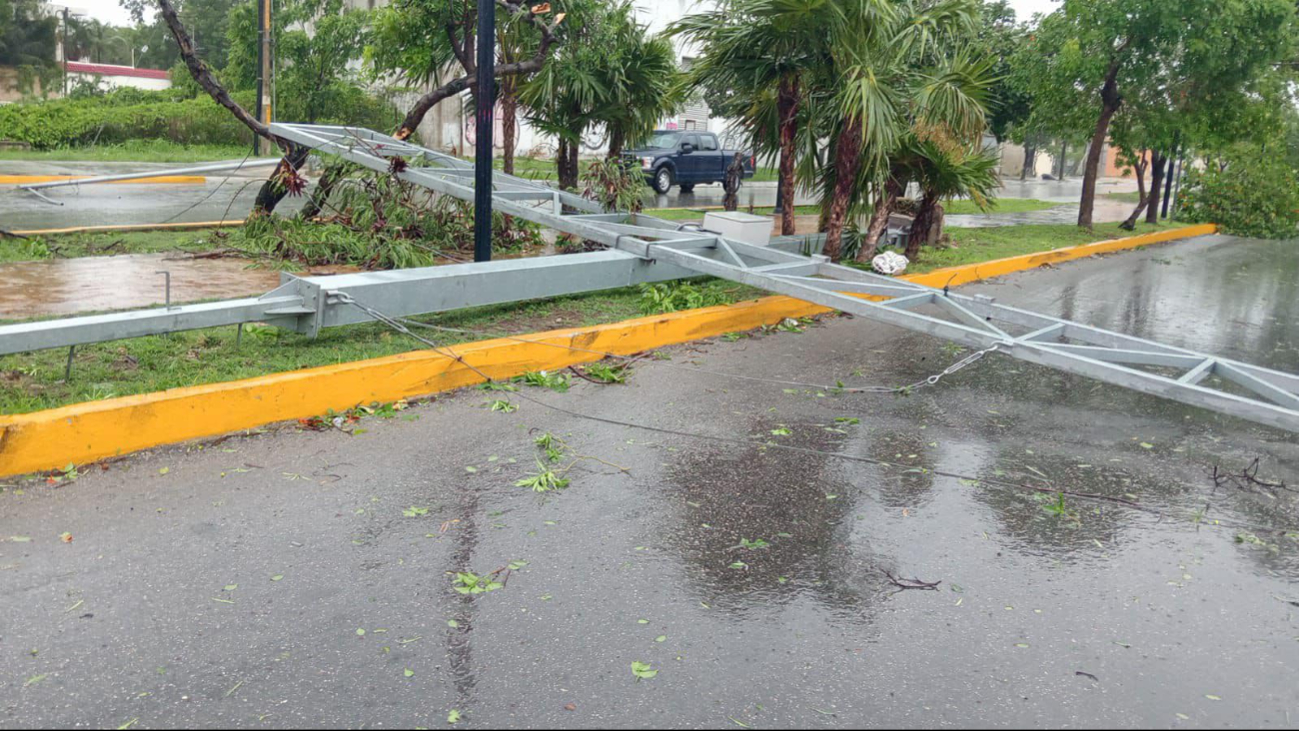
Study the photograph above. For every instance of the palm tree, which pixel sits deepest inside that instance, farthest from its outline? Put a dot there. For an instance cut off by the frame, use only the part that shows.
(609, 72)
(641, 82)
(896, 80)
(943, 172)
(756, 56)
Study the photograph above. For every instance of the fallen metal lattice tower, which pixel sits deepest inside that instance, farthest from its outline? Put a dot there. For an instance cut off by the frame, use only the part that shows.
(643, 249)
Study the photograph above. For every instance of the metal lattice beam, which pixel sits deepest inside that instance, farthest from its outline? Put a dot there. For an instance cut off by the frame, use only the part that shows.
(643, 248)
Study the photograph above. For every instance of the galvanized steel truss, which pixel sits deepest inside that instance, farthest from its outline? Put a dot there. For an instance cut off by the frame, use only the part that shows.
(642, 249)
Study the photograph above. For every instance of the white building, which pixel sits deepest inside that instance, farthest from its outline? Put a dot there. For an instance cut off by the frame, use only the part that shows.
(109, 76)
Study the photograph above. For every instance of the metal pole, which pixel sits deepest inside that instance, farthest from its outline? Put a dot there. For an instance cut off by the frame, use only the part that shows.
(261, 67)
(485, 98)
(63, 51)
(780, 199)
(213, 168)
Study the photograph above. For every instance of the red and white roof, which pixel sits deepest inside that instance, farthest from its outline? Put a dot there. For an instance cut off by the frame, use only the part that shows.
(106, 69)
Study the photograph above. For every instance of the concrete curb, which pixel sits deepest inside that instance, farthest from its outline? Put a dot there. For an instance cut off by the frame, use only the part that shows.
(30, 179)
(86, 432)
(127, 227)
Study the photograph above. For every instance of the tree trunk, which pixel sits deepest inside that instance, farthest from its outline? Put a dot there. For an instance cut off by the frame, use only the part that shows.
(787, 111)
(921, 225)
(731, 183)
(507, 89)
(847, 161)
(879, 223)
(1157, 164)
(566, 164)
(1110, 103)
(617, 141)
(1142, 198)
(274, 190)
(1030, 161)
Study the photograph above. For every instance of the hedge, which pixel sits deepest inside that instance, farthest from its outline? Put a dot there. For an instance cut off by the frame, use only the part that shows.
(130, 114)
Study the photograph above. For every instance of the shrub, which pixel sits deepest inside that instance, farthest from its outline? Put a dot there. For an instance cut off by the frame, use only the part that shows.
(1250, 193)
(375, 221)
(172, 114)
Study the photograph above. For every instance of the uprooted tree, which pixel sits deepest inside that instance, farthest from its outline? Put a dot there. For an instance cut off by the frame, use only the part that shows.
(455, 46)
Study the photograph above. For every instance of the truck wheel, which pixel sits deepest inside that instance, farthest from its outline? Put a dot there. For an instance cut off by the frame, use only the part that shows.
(662, 180)
(687, 187)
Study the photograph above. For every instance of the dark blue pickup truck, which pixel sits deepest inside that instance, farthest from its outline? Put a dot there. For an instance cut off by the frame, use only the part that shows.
(684, 157)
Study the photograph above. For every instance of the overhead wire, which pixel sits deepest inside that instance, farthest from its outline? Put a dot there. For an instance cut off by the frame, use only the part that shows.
(396, 323)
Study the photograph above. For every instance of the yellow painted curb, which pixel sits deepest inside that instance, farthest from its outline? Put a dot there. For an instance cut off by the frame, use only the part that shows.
(953, 276)
(86, 432)
(29, 179)
(125, 227)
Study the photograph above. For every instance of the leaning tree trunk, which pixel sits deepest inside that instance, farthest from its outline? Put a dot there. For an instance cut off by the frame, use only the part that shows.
(507, 88)
(1142, 199)
(787, 111)
(1158, 162)
(879, 223)
(847, 162)
(921, 225)
(1110, 103)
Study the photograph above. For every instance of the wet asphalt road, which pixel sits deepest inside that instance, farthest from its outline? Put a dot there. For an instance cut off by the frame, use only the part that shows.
(165, 606)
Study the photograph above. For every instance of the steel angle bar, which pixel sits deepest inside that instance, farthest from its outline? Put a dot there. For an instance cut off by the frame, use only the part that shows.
(1042, 353)
(213, 168)
(22, 337)
(303, 304)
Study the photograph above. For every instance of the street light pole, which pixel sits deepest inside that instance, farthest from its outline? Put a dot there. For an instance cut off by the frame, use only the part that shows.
(485, 101)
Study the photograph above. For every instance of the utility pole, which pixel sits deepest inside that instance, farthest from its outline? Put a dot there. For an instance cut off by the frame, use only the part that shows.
(63, 50)
(485, 100)
(260, 145)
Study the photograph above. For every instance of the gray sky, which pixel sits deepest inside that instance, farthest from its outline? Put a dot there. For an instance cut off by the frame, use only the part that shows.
(111, 11)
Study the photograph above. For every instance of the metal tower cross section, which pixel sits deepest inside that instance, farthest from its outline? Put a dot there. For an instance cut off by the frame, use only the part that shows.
(1258, 394)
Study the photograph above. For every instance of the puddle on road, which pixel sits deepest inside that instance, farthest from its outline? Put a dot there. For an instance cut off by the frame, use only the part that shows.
(56, 287)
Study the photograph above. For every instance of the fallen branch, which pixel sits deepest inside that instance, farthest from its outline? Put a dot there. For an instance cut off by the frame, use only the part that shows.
(11, 234)
(911, 583)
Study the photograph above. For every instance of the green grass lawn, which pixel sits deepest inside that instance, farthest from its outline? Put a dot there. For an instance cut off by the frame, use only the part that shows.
(956, 207)
(71, 246)
(1131, 197)
(134, 151)
(34, 381)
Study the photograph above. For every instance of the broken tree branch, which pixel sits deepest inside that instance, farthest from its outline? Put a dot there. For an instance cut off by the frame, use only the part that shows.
(203, 75)
(911, 583)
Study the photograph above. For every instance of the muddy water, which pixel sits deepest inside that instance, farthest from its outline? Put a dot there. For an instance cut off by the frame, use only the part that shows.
(69, 286)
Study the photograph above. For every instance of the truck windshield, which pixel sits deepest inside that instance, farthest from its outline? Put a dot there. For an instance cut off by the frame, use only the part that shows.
(664, 141)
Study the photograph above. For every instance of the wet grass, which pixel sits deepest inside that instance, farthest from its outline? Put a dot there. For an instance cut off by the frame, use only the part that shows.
(134, 151)
(71, 246)
(957, 207)
(543, 168)
(34, 381)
